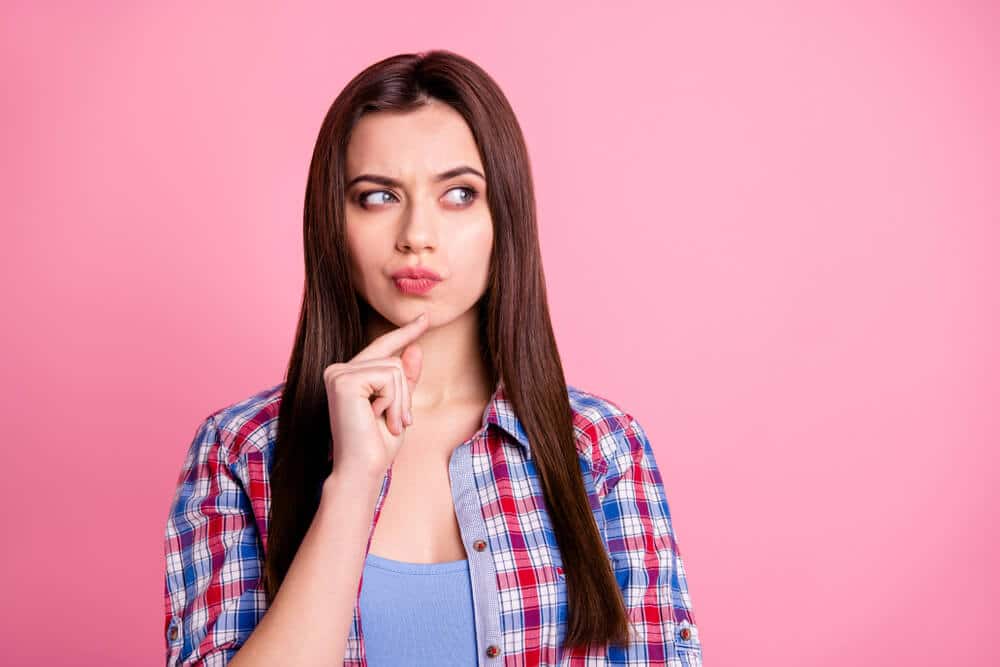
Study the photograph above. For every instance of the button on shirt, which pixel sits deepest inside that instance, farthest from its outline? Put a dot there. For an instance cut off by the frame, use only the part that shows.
(216, 536)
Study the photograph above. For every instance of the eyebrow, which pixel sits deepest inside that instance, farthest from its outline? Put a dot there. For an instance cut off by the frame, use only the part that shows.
(393, 183)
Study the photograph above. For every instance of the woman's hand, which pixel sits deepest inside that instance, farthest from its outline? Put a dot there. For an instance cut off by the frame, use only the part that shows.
(367, 434)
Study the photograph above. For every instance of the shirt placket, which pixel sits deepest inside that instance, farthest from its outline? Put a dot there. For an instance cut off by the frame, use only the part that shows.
(482, 567)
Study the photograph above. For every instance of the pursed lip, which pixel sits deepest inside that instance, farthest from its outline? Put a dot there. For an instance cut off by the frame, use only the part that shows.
(416, 273)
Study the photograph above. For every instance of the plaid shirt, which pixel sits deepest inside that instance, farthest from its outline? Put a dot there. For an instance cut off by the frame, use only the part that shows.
(216, 533)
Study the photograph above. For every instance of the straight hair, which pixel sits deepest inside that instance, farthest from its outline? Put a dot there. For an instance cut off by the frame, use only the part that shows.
(516, 336)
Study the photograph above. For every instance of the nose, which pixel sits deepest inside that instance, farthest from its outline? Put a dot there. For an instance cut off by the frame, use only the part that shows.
(418, 226)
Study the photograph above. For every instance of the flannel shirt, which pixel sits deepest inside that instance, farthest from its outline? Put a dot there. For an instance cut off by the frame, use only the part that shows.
(217, 526)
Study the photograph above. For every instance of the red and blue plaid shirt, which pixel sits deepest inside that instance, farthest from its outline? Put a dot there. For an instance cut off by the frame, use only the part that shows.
(217, 527)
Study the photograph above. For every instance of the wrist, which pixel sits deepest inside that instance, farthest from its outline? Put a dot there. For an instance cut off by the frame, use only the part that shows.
(357, 480)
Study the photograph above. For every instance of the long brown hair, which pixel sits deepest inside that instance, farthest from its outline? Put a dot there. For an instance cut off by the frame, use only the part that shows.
(517, 341)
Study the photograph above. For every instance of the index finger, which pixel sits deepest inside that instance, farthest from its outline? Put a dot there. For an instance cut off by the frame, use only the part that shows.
(391, 342)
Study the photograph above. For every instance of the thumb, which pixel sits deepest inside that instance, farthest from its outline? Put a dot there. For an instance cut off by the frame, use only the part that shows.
(412, 358)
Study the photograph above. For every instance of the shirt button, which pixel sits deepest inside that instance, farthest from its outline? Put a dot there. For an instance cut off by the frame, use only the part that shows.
(173, 633)
(479, 545)
(685, 633)
(493, 650)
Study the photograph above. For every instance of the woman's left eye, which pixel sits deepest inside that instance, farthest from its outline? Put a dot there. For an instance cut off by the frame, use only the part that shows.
(468, 198)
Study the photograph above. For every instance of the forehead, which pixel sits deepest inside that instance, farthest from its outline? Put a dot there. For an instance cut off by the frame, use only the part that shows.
(425, 141)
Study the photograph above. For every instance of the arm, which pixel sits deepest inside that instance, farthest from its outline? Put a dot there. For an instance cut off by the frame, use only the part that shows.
(215, 604)
(310, 619)
(213, 558)
(641, 538)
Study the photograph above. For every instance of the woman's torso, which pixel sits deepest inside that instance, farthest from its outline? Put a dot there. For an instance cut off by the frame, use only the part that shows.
(417, 522)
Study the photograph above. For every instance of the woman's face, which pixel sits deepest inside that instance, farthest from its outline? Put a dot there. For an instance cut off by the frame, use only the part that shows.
(400, 212)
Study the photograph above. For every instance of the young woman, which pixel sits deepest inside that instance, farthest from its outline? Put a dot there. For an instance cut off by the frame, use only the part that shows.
(424, 488)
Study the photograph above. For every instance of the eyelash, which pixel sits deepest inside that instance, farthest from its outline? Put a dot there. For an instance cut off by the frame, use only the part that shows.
(474, 194)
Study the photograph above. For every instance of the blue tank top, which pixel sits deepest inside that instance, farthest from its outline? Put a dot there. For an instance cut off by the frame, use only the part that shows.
(417, 613)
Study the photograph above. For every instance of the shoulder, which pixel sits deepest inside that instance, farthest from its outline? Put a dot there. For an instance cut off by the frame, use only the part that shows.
(249, 424)
(605, 431)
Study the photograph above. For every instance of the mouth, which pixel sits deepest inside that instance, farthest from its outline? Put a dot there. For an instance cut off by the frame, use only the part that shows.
(415, 279)
(416, 272)
(415, 285)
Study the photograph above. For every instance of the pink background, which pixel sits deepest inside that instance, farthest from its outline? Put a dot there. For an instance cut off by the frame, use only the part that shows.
(769, 229)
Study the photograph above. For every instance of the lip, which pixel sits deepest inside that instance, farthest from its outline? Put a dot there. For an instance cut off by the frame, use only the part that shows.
(415, 280)
(415, 285)
(416, 273)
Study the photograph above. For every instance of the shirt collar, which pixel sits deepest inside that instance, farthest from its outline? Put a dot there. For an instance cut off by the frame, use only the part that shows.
(500, 412)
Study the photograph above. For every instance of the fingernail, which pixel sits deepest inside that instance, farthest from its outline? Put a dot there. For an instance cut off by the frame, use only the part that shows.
(408, 417)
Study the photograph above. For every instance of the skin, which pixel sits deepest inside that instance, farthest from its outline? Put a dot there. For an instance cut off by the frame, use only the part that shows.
(446, 226)
(418, 221)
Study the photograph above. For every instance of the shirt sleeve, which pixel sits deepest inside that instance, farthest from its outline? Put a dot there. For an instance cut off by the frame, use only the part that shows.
(647, 560)
(214, 563)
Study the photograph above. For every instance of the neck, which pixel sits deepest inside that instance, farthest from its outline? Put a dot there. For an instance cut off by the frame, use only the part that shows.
(452, 369)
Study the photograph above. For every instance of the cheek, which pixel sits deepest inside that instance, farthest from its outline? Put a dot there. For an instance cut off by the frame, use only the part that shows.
(472, 260)
(477, 245)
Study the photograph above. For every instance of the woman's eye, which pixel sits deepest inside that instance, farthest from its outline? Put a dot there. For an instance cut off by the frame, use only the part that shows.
(364, 201)
(375, 198)
(469, 197)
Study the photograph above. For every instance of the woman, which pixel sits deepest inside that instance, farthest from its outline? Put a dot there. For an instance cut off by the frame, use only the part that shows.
(527, 522)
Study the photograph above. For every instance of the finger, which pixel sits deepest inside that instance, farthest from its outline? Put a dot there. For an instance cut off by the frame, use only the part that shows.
(381, 362)
(405, 390)
(389, 343)
(380, 381)
(403, 405)
(379, 405)
(363, 379)
(397, 404)
(412, 362)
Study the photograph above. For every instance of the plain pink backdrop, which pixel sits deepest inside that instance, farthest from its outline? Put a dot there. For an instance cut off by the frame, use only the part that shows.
(770, 230)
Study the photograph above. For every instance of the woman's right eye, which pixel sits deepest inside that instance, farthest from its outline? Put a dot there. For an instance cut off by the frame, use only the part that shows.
(364, 201)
